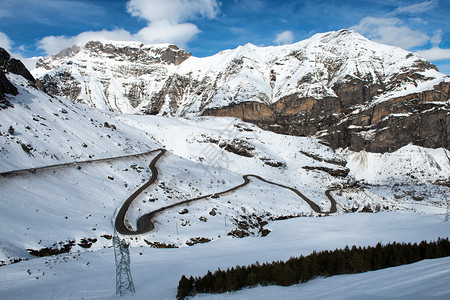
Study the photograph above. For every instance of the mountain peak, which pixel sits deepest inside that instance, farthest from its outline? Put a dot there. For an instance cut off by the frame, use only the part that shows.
(119, 51)
(336, 72)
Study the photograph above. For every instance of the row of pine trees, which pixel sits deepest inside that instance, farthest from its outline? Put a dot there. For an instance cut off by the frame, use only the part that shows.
(303, 268)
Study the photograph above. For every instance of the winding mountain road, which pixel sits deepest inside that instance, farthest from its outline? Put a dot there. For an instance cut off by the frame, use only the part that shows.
(70, 164)
(145, 224)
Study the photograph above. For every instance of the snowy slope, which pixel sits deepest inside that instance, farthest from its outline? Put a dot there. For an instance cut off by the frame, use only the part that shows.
(310, 68)
(422, 165)
(83, 202)
(206, 155)
(70, 204)
(156, 272)
(57, 131)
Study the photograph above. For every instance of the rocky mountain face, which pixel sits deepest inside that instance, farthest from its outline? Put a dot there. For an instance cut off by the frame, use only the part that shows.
(338, 86)
(14, 66)
(112, 76)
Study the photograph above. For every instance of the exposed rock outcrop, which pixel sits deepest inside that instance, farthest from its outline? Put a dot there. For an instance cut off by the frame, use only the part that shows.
(117, 76)
(338, 86)
(15, 66)
(419, 118)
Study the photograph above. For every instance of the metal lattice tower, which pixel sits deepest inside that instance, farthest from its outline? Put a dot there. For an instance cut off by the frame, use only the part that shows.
(124, 281)
(447, 214)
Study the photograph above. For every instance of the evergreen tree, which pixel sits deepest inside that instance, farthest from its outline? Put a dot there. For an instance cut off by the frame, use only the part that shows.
(302, 269)
(185, 288)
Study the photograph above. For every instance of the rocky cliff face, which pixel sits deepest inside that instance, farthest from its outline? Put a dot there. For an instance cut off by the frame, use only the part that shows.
(338, 86)
(112, 76)
(419, 118)
(14, 66)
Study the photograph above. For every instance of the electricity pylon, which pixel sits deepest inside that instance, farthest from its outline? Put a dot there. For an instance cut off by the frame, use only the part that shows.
(124, 281)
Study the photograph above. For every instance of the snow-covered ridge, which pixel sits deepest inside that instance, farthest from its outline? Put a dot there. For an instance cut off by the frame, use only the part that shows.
(408, 164)
(148, 82)
(48, 131)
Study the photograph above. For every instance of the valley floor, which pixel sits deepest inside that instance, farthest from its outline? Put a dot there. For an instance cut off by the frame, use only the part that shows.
(91, 275)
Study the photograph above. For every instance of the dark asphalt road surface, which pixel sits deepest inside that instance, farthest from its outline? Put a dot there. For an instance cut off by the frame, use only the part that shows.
(145, 224)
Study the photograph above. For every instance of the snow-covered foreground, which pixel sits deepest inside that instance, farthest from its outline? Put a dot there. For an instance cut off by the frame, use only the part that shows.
(423, 280)
(156, 272)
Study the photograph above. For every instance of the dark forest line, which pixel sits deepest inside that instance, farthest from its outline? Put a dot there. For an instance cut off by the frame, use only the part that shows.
(325, 263)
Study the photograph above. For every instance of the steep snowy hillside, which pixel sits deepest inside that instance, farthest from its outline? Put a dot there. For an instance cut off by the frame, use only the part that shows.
(262, 196)
(40, 130)
(406, 165)
(339, 85)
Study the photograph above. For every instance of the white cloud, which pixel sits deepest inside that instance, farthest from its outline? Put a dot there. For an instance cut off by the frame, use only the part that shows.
(5, 41)
(435, 53)
(164, 24)
(285, 37)
(390, 31)
(165, 19)
(54, 44)
(437, 38)
(163, 32)
(174, 11)
(415, 9)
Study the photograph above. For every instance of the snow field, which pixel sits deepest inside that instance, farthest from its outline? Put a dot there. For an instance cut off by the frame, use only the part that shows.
(58, 205)
(156, 271)
(59, 131)
(409, 164)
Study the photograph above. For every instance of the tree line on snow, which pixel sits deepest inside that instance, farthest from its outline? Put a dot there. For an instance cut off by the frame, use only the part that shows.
(301, 269)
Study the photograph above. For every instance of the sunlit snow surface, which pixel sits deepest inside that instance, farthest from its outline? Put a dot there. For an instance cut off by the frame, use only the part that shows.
(67, 203)
(156, 272)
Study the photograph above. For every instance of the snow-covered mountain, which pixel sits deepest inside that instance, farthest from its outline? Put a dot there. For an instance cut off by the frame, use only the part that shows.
(206, 155)
(114, 76)
(309, 69)
(338, 85)
(69, 208)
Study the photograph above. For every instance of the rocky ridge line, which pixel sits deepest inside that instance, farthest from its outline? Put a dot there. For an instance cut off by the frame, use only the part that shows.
(337, 86)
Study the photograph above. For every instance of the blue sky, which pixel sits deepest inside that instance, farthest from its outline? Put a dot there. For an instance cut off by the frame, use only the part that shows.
(204, 27)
